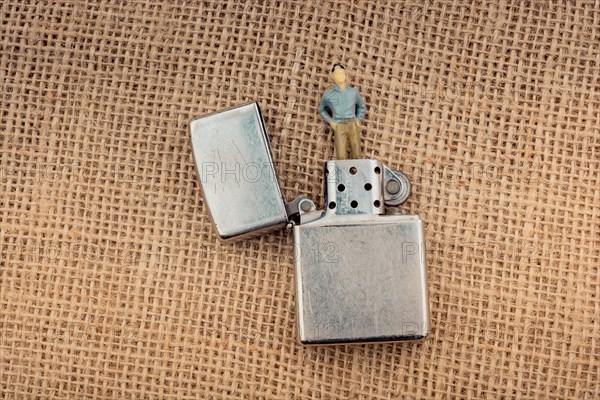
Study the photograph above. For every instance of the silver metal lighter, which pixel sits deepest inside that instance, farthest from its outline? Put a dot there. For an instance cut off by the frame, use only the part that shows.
(360, 267)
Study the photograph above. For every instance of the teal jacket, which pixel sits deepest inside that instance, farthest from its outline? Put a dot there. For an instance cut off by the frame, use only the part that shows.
(344, 105)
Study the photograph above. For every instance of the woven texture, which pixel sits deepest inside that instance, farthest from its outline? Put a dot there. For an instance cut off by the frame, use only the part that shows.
(113, 283)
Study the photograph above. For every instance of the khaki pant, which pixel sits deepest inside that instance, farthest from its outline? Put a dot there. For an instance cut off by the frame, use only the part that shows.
(344, 133)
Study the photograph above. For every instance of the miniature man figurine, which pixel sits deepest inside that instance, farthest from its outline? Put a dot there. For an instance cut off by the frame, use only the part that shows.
(347, 109)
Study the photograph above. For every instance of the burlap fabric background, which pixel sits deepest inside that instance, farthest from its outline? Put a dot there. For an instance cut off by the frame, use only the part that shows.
(113, 283)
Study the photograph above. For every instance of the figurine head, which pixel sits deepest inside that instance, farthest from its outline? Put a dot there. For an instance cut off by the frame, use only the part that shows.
(338, 73)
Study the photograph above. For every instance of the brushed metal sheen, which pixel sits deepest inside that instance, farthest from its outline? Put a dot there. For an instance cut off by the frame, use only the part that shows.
(360, 266)
(236, 172)
(361, 282)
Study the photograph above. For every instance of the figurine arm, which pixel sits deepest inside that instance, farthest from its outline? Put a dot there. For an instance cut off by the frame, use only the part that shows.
(323, 110)
(361, 108)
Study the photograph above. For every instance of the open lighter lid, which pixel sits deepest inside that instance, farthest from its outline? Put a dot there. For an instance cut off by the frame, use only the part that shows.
(236, 172)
